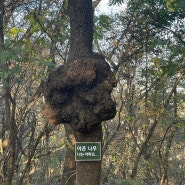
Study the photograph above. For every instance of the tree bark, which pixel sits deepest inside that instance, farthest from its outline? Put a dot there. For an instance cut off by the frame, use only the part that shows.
(69, 171)
(1, 21)
(89, 172)
(10, 118)
(81, 26)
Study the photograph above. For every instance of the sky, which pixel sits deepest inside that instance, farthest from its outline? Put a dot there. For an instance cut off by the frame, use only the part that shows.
(104, 8)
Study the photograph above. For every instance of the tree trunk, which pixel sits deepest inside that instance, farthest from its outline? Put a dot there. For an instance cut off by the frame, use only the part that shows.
(9, 108)
(1, 21)
(81, 25)
(10, 118)
(69, 172)
(89, 172)
(79, 93)
(81, 38)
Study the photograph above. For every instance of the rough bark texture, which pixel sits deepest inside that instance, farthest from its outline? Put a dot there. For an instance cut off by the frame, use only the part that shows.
(80, 94)
(81, 25)
(69, 172)
(89, 172)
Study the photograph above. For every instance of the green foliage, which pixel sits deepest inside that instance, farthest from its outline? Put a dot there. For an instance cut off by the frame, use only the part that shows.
(14, 32)
(8, 57)
(102, 24)
(174, 5)
(34, 24)
(160, 13)
(65, 4)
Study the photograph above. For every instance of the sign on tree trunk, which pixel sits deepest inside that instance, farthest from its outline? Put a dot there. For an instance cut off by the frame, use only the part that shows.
(88, 151)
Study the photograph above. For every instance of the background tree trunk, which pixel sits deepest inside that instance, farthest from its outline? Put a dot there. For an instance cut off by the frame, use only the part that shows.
(69, 171)
(9, 109)
(1, 21)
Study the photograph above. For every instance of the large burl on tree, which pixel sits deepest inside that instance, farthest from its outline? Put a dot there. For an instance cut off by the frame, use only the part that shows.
(79, 93)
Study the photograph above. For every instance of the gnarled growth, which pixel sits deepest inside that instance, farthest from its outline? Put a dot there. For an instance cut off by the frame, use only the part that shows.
(80, 94)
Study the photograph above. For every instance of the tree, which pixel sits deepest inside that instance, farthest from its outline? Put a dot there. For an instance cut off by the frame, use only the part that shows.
(79, 93)
(144, 45)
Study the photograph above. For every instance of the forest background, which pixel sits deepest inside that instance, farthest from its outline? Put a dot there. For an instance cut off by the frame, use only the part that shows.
(145, 47)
